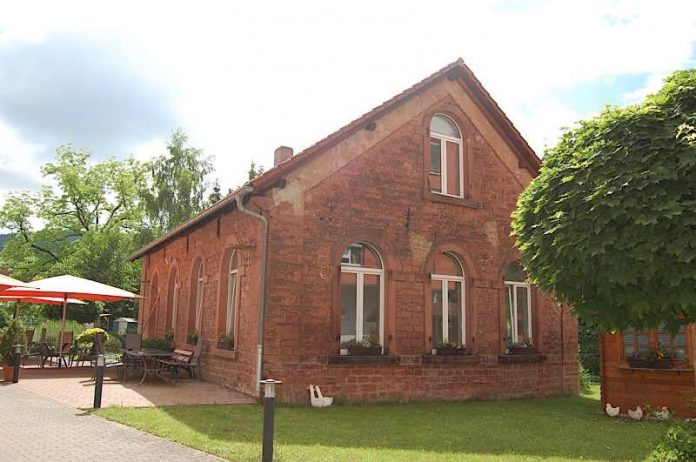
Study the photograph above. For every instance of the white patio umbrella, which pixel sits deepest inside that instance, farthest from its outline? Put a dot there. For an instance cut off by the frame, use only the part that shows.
(66, 287)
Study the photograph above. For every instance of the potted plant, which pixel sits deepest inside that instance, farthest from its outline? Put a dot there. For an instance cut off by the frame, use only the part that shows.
(525, 347)
(225, 341)
(369, 346)
(13, 335)
(447, 348)
(654, 358)
(192, 337)
(89, 336)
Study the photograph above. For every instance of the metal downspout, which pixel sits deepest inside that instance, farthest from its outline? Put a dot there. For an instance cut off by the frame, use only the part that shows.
(262, 285)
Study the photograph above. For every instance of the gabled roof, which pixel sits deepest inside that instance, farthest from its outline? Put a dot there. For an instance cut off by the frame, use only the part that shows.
(527, 158)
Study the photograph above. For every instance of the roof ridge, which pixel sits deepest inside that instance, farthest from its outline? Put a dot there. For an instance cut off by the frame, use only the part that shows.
(271, 176)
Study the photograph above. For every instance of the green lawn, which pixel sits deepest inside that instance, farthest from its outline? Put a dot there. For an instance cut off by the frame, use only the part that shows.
(555, 429)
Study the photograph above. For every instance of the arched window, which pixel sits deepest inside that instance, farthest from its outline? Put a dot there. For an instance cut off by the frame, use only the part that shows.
(150, 322)
(362, 294)
(446, 174)
(447, 296)
(172, 300)
(196, 312)
(518, 305)
(231, 305)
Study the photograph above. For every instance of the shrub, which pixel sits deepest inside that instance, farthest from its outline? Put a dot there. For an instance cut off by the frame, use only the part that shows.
(586, 379)
(13, 335)
(113, 344)
(678, 444)
(158, 343)
(89, 335)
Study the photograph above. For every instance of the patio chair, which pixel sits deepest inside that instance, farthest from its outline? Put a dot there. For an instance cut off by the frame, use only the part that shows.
(133, 342)
(47, 354)
(33, 350)
(80, 354)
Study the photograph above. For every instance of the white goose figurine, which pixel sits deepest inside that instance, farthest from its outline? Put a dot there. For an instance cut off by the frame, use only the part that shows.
(316, 397)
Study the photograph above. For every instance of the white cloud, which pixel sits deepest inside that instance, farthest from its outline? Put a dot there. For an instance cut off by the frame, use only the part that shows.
(245, 78)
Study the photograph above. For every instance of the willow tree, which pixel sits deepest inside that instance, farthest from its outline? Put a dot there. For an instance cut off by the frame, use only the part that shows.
(609, 225)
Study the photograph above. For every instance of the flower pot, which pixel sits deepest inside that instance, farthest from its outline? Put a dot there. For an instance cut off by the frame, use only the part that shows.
(191, 340)
(8, 373)
(450, 351)
(364, 351)
(225, 345)
(638, 363)
(522, 350)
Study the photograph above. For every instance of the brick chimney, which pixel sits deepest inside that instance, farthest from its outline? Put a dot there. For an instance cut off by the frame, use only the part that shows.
(282, 154)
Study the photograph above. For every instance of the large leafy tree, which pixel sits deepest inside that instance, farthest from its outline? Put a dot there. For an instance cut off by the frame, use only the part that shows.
(609, 225)
(177, 187)
(85, 221)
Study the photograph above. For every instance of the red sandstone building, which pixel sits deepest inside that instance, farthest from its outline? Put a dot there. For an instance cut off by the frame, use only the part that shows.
(395, 229)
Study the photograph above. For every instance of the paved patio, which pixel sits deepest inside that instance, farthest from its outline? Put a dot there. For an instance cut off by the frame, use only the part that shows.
(34, 428)
(74, 387)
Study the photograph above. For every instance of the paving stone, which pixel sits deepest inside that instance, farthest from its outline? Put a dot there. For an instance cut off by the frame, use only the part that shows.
(34, 428)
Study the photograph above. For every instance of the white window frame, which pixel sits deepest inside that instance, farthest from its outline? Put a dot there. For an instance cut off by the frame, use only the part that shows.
(345, 258)
(231, 296)
(175, 302)
(445, 279)
(200, 281)
(443, 159)
(360, 273)
(513, 308)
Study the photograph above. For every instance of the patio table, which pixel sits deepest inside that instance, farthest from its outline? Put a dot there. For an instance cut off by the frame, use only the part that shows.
(145, 360)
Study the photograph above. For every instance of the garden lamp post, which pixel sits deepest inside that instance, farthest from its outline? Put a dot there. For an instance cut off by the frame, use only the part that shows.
(15, 359)
(99, 372)
(268, 417)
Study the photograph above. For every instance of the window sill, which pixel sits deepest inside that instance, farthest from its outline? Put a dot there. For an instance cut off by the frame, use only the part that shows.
(441, 359)
(347, 359)
(453, 200)
(220, 353)
(521, 359)
(677, 371)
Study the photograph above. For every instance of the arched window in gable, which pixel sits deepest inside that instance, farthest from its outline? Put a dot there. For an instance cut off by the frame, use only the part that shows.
(446, 175)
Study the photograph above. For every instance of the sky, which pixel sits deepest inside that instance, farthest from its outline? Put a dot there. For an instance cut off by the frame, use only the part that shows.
(242, 78)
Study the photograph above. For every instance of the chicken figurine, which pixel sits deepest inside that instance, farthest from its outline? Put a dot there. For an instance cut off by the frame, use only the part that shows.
(316, 397)
(637, 414)
(612, 411)
(663, 414)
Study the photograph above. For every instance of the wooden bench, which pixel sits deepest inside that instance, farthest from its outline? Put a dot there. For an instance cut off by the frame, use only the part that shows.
(180, 359)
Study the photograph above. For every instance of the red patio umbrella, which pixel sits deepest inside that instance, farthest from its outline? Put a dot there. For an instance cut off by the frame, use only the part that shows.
(6, 282)
(37, 301)
(67, 287)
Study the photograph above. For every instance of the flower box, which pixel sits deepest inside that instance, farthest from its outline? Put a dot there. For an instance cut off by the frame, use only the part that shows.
(522, 350)
(450, 351)
(225, 344)
(359, 350)
(639, 363)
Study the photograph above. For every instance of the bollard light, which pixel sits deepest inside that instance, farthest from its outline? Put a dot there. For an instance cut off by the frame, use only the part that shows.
(269, 386)
(17, 356)
(99, 380)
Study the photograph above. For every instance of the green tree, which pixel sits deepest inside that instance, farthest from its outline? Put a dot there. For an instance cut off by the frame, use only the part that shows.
(176, 191)
(609, 225)
(84, 222)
